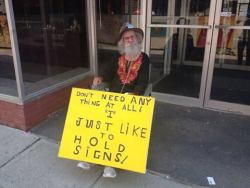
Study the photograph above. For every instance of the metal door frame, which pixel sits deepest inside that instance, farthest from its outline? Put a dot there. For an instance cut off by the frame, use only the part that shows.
(215, 104)
(183, 100)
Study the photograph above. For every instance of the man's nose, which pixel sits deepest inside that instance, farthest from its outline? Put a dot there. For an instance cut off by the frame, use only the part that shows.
(131, 39)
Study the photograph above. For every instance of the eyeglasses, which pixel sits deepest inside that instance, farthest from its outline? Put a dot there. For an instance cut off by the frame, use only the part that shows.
(127, 38)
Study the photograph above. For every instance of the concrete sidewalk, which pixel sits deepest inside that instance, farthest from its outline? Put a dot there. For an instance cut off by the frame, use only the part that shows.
(29, 161)
(188, 144)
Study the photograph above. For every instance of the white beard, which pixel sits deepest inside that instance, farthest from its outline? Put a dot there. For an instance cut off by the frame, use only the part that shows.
(132, 51)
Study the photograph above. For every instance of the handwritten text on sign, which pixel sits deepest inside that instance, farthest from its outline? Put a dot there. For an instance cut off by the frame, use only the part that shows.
(108, 128)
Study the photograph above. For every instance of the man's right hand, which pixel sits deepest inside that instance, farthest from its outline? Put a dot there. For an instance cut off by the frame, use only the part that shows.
(97, 81)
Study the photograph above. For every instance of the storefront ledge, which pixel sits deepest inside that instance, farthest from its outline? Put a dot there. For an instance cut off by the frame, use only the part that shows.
(29, 114)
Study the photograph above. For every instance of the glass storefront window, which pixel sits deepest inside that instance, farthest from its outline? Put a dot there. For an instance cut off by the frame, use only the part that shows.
(7, 72)
(52, 41)
(111, 14)
(180, 12)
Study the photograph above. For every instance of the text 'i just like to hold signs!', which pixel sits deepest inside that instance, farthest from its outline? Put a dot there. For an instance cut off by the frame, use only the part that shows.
(108, 128)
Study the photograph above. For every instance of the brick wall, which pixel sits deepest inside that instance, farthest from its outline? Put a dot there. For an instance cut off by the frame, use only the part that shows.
(26, 116)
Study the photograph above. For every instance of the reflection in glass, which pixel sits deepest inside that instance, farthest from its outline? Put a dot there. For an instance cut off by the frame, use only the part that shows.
(244, 40)
(244, 47)
(52, 41)
(231, 78)
(7, 72)
(111, 14)
(180, 12)
(234, 12)
(178, 61)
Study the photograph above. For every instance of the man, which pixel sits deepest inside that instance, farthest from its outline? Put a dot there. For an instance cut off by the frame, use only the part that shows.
(128, 74)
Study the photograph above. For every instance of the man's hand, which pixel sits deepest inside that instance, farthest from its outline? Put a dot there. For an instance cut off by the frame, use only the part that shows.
(97, 81)
(129, 93)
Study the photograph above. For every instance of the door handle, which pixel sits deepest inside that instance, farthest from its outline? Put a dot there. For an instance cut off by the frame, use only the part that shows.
(221, 26)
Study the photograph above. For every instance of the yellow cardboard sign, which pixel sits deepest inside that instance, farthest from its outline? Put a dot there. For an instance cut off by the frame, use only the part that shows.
(108, 128)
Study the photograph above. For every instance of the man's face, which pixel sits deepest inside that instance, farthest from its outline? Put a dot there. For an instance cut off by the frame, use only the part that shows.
(129, 38)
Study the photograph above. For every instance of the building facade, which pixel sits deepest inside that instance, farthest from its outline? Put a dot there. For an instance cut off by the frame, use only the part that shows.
(199, 52)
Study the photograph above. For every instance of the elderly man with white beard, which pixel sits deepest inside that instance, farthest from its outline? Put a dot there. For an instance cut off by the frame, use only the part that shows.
(129, 73)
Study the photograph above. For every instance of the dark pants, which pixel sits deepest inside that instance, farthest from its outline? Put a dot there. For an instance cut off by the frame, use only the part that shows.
(241, 46)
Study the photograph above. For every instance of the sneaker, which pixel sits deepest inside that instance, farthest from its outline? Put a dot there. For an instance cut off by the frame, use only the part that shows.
(83, 165)
(109, 172)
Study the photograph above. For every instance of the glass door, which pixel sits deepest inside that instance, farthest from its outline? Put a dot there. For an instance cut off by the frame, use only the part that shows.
(179, 35)
(228, 86)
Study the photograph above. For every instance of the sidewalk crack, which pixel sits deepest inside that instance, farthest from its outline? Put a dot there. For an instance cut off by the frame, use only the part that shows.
(23, 150)
(97, 179)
